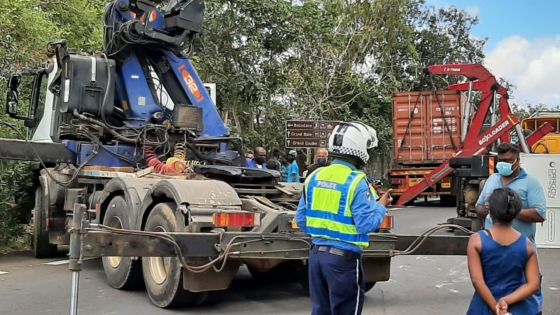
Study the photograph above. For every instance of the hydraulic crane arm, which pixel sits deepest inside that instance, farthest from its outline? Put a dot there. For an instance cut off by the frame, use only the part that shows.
(494, 98)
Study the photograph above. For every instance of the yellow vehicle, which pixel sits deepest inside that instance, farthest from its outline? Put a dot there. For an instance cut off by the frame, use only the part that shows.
(550, 143)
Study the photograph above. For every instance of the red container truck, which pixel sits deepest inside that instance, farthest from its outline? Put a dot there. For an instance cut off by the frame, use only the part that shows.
(426, 132)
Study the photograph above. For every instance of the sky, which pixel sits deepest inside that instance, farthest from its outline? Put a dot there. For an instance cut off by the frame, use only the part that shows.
(523, 44)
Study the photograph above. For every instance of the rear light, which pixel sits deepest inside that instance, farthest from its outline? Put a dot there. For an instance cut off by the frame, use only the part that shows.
(387, 223)
(235, 219)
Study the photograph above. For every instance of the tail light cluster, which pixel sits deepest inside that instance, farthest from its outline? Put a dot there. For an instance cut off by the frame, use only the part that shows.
(236, 219)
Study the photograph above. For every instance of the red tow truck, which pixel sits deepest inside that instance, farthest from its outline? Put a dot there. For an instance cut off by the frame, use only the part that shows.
(467, 130)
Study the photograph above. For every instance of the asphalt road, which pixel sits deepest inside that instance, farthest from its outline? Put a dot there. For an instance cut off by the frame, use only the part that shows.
(418, 285)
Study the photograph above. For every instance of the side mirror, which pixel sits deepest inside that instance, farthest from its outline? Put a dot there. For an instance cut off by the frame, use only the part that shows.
(12, 96)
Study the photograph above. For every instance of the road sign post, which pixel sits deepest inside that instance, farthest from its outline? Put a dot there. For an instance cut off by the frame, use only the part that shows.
(308, 133)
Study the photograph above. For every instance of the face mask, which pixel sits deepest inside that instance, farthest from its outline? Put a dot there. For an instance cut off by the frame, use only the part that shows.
(504, 168)
(259, 159)
(321, 161)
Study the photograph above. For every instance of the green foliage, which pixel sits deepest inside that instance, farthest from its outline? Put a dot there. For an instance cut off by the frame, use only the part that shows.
(14, 179)
(26, 26)
(341, 60)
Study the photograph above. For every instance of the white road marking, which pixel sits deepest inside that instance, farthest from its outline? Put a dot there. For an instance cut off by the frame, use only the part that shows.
(62, 262)
(441, 284)
(58, 262)
(3, 272)
(553, 289)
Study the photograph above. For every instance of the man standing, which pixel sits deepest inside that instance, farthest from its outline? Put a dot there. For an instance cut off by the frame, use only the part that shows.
(259, 160)
(274, 162)
(338, 211)
(511, 175)
(293, 169)
(322, 158)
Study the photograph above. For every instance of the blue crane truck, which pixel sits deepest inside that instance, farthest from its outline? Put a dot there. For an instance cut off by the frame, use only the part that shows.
(132, 136)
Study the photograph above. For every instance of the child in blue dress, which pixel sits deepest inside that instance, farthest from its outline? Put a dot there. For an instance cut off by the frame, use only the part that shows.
(503, 263)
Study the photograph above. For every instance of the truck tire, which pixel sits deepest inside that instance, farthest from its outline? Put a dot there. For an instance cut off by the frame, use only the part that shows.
(121, 272)
(163, 275)
(42, 248)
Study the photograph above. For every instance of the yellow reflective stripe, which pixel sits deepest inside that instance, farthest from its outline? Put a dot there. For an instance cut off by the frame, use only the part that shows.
(374, 193)
(351, 192)
(333, 226)
(336, 173)
(327, 200)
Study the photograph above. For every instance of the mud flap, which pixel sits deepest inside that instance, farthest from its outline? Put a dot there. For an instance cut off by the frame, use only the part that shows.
(210, 280)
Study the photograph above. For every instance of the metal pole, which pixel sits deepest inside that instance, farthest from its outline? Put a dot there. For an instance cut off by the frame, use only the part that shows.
(74, 293)
(75, 264)
(522, 141)
(494, 115)
(466, 114)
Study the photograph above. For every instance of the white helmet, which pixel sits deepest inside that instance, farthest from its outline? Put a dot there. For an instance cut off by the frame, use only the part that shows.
(353, 139)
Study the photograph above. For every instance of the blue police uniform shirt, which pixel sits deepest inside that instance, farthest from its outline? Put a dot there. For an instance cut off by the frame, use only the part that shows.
(366, 212)
(529, 190)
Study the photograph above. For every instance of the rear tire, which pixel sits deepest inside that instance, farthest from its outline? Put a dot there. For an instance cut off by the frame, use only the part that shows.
(42, 248)
(163, 275)
(121, 272)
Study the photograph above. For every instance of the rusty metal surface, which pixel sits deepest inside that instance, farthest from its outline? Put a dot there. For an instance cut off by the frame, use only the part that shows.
(250, 245)
(426, 126)
(210, 280)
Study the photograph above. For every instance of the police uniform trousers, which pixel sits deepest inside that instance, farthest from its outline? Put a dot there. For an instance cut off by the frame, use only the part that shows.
(336, 281)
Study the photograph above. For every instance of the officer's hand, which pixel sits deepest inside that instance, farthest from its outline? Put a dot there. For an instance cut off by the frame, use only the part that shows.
(386, 198)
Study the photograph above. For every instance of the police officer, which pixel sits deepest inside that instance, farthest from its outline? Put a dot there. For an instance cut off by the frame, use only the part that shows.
(338, 210)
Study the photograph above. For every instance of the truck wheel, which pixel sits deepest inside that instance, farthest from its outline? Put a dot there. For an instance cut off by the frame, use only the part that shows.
(121, 272)
(369, 286)
(163, 275)
(42, 248)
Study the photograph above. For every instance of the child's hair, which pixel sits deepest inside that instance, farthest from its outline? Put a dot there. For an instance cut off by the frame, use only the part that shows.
(504, 205)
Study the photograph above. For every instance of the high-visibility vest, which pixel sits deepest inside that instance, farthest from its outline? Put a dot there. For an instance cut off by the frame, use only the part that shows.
(374, 193)
(329, 192)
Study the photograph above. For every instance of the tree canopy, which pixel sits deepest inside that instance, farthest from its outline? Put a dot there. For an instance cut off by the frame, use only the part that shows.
(333, 60)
